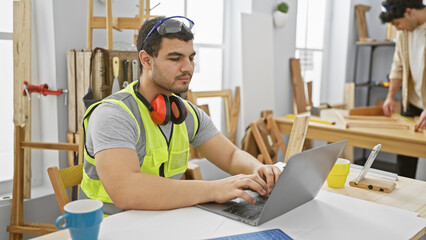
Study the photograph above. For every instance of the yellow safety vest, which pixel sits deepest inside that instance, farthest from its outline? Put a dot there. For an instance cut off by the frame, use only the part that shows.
(173, 156)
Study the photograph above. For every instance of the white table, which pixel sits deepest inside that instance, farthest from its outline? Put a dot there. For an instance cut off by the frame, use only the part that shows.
(328, 216)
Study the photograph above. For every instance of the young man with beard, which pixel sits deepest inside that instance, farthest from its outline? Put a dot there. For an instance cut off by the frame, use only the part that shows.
(137, 148)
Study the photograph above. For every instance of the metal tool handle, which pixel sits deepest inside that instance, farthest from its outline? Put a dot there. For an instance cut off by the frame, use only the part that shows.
(125, 71)
(115, 66)
(135, 70)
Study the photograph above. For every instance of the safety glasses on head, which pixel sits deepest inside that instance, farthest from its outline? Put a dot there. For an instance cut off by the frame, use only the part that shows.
(172, 24)
(386, 8)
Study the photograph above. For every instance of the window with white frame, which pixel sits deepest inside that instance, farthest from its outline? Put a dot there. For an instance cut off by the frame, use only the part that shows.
(6, 94)
(310, 42)
(208, 17)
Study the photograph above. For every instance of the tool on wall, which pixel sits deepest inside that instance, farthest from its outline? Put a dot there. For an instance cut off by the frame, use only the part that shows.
(135, 70)
(43, 89)
(115, 71)
(125, 71)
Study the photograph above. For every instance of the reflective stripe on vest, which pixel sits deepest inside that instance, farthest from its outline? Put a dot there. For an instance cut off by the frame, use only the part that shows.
(174, 155)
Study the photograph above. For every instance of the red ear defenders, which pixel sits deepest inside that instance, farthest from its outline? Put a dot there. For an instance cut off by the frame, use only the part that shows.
(164, 109)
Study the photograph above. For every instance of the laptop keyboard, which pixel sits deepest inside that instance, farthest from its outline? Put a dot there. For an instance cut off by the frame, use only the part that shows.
(247, 210)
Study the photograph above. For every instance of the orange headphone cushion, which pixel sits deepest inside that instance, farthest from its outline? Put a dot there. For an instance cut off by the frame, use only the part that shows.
(178, 109)
(161, 113)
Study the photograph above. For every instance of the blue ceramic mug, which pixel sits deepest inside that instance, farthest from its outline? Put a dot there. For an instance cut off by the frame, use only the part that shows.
(83, 218)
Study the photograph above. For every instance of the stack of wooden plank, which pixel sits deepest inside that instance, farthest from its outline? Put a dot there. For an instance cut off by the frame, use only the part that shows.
(374, 117)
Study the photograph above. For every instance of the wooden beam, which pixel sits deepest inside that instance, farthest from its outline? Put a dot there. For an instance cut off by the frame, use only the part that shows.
(21, 73)
(309, 88)
(141, 12)
(298, 85)
(367, 111)
(17, 208)
(72, 93)
(50, 146)
(89, 36)
(226, 94)
(71, 155)
(235, 110)
(33, 228)
(109, 24)
(266, 158)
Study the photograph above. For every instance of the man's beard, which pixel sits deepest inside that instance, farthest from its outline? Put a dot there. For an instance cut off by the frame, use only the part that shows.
(162, 82)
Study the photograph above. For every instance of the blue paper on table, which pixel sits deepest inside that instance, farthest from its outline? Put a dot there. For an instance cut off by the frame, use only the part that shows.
(272, 234)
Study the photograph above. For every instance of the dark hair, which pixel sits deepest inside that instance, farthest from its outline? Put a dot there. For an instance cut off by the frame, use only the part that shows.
(153, 43)
(396, 8)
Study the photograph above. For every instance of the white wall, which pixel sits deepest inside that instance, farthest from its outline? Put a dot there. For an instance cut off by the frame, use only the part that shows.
(335, 74)
(258, 68)
(283, 49)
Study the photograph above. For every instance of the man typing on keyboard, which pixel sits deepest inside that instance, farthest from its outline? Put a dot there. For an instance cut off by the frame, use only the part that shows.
(137, 140)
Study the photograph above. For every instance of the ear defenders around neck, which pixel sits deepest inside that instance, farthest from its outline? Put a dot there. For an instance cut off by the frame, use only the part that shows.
(164, 109)
(178, 109)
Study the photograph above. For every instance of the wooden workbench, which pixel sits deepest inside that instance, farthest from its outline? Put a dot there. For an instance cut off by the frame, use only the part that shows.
(399, 141)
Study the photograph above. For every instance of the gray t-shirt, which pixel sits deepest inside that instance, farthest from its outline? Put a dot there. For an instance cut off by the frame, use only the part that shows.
(110, 126)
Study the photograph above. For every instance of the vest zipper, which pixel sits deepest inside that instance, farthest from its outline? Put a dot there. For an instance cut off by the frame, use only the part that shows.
(161, 170)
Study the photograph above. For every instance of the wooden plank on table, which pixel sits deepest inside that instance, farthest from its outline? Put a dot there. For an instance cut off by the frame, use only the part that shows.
(340, 119)
(298, 85)
(369, 111)
(377, 124)
(349, 95)
(72, 105)
(371, 118)
(21, 73)
(297, 136)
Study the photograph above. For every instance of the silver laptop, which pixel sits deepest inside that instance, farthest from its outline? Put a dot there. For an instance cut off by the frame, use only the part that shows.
(300, 181)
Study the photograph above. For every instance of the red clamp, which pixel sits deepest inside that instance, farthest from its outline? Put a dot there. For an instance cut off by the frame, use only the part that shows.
(42, 89)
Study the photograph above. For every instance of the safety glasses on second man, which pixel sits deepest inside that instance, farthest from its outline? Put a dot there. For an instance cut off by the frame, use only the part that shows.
(164, 26)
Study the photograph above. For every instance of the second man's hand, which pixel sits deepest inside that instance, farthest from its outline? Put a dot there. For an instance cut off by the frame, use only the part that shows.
(421, 123)
(388, 107)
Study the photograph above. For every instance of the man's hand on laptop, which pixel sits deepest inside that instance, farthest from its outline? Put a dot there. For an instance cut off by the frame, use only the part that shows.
(268, 173)
(233, 187)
